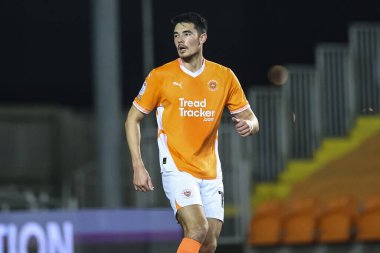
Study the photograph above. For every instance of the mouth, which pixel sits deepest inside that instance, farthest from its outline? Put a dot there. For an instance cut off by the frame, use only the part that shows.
(181, 48)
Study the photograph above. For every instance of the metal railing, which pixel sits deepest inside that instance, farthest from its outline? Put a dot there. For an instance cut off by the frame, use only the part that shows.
(364, 53)
(337, 90)
(270, 146)
(304, 103)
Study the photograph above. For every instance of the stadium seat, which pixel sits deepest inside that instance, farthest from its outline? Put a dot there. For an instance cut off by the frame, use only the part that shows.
(338, 219)
(265, 227)
(300, 222)
(368, 227)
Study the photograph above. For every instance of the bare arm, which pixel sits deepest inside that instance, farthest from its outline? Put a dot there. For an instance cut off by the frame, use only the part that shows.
(246, 123)
(141, 179)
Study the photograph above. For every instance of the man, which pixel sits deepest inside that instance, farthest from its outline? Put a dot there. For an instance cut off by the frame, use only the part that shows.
(189, 94)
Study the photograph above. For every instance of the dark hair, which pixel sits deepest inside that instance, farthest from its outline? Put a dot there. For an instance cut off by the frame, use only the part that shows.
(200, 23)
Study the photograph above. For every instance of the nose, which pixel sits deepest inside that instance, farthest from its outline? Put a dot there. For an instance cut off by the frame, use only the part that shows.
(180, 39)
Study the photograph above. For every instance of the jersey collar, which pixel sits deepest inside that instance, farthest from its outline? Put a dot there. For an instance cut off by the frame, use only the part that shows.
(193, 74)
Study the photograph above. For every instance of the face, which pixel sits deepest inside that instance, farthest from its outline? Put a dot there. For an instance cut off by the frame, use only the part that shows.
(187, 40)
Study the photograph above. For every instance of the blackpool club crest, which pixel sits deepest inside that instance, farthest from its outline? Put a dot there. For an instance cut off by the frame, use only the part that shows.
(212, 85)
(187, 193)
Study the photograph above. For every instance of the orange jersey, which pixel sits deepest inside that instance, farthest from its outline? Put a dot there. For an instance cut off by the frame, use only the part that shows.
(189, 109)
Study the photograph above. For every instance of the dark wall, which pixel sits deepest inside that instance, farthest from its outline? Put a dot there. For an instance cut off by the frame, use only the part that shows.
(45, 46)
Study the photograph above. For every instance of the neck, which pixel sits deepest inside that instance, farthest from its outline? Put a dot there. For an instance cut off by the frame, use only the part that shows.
(193, 63)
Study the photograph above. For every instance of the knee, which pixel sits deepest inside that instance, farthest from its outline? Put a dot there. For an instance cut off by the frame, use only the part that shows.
(197, 231)
(209, 246)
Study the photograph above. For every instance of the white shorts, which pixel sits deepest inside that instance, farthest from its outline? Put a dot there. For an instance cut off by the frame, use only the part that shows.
(183, 189)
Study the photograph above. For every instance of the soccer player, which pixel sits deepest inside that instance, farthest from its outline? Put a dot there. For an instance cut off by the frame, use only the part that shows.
(189, 95)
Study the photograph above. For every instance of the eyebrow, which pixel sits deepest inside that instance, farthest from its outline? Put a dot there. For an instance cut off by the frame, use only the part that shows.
(185, 31)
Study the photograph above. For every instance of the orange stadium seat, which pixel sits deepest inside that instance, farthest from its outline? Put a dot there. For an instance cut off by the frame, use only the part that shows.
(300, 222)
(265, 227)
(368, 227)
(338, 219)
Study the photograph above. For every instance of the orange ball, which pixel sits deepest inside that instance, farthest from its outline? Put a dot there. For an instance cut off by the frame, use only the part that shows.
(278, 75)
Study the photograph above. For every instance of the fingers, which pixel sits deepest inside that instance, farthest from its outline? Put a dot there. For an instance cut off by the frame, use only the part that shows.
(243, 131)
(141, 180)
(242, 127)
(150, 184)
(145, 187)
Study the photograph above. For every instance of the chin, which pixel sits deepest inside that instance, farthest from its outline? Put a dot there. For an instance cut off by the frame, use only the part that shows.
(186, 57)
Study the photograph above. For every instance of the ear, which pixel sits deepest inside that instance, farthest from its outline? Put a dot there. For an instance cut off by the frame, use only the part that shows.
(203, 38)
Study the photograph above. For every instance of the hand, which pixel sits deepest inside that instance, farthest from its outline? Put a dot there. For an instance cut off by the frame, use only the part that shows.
(243, 128)
(141, 180)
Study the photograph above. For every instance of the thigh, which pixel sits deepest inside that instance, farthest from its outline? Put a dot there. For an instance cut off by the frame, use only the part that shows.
(191, 216)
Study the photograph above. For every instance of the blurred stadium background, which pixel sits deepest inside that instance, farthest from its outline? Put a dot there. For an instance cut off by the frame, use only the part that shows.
(309, 182)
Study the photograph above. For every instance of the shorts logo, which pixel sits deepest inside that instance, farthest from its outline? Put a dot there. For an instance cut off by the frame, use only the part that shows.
(142, 91)
(187, 193)
(212, 85)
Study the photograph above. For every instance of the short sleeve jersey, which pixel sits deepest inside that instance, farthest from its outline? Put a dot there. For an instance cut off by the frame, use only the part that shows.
(189, 109)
